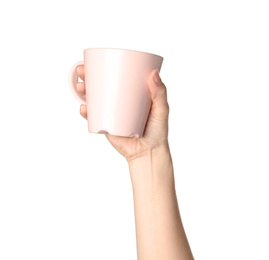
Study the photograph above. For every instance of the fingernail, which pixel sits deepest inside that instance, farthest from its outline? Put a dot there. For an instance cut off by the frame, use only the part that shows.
(156, 76)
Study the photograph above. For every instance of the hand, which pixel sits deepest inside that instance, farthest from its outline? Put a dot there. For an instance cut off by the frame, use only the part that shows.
(156, 129)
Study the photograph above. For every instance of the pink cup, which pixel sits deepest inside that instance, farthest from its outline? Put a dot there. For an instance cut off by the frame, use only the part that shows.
(117, 95)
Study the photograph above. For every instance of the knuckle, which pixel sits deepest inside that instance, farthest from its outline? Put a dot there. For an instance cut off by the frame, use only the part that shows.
(163, 92)
(163, 110)
(167, 109)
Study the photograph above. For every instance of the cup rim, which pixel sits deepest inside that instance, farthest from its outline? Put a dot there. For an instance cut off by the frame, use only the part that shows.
(123, 50)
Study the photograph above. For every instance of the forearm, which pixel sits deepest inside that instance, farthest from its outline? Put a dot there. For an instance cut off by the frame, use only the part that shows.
(159, 230)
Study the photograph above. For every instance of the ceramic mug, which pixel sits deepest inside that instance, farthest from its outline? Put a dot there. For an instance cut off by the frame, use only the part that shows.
(117, 95)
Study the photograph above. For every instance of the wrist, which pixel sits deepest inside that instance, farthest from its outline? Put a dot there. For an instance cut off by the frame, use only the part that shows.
(154, 167)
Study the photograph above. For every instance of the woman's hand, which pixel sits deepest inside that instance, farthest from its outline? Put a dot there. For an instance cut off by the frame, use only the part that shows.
(156, 129)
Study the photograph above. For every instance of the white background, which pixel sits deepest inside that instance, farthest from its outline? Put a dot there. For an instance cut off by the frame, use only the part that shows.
(66, 193)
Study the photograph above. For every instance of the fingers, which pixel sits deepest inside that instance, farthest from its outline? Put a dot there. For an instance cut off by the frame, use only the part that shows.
(81, 88)
(80, 71)
(83, 111)
(81, 85)
(158, 94)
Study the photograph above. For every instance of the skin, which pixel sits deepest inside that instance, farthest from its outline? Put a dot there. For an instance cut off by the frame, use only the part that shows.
(160, 233)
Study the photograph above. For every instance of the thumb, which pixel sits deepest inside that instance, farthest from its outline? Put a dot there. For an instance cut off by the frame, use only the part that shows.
(160, 107)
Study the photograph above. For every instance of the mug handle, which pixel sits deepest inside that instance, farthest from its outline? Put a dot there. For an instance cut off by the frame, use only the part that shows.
(73, 80)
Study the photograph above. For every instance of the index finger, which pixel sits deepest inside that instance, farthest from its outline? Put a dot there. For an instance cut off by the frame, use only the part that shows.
(80, 71)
